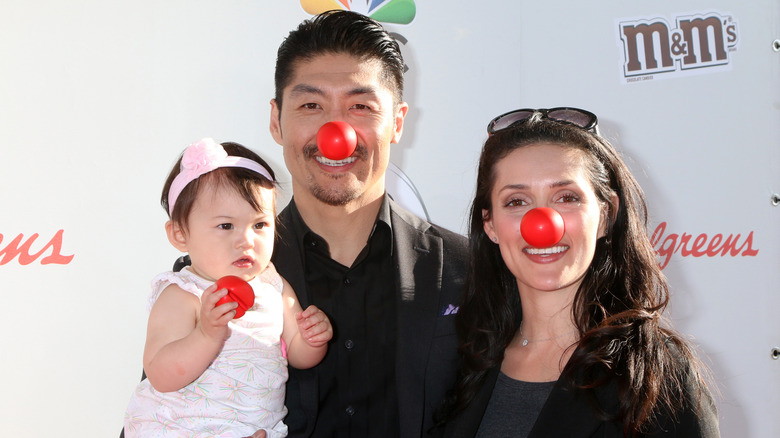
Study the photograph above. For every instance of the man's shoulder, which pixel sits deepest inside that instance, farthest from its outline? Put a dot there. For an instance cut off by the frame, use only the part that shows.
(449, 238)
(285, 241)
(288, 223)
(286, 214)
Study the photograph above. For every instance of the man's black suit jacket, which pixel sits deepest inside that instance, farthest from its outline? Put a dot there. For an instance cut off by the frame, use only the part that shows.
(430, 265)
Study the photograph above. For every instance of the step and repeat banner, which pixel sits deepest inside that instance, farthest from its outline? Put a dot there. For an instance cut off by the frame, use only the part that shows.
(98, 98)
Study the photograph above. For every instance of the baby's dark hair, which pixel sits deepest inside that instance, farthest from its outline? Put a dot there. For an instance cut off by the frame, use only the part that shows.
(244, 181)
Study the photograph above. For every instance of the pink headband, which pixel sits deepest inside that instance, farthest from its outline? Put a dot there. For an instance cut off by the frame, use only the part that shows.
(203, 157)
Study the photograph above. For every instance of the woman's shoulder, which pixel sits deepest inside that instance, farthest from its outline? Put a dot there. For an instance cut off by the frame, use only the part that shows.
(694, 413)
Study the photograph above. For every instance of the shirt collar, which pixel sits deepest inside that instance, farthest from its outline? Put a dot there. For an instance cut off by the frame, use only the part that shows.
(303, 233)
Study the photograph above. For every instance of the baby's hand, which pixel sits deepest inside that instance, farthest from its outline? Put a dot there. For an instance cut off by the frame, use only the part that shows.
(314, 326)
(214, 319)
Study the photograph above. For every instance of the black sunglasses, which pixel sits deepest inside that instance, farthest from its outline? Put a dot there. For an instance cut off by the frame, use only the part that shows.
(573, 116)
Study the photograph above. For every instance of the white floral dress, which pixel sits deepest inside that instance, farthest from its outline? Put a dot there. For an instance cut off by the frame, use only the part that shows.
(241, 392)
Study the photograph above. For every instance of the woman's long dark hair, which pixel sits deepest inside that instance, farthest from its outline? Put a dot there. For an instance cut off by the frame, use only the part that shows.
(617, 308)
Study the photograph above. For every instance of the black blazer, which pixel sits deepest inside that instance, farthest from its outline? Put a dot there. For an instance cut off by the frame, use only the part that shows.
(430, 269)
(569, 414)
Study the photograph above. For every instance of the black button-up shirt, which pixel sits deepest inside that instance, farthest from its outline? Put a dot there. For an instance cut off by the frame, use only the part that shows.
(357, 393)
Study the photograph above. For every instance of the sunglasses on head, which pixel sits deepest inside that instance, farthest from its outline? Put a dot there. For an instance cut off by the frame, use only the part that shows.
(573, 116)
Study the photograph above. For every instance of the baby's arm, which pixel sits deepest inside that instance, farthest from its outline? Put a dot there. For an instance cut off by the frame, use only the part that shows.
(184, 335)
(306, 332)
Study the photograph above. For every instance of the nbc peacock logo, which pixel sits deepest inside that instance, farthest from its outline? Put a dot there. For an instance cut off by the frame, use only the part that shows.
(385, 11)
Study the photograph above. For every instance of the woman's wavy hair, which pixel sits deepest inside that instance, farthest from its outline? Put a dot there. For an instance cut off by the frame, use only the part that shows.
(617, 308)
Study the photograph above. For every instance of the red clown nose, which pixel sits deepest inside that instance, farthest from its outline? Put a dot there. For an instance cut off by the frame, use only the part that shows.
(336, 140)
(542, 227)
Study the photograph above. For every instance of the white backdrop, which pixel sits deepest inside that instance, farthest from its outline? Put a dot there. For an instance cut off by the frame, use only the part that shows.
(97, 99)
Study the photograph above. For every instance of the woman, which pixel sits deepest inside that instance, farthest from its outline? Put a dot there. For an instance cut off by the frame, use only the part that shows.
(567, 340)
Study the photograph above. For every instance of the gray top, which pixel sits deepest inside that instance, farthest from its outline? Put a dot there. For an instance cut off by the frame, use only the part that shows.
(513, 407)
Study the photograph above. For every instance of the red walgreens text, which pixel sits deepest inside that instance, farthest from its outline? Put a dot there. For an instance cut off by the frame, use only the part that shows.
(17, 248)
(686, 245)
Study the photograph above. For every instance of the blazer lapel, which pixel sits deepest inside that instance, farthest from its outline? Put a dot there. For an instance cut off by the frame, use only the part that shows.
(419, 260)
(467, 422)
(570, 414)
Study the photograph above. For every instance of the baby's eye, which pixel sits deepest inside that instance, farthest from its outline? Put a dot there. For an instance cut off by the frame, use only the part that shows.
(261, 225)
(225, 226)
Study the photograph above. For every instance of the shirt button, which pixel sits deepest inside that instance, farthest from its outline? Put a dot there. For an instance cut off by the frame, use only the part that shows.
(349, 344)
(350, 410)
(347, 281)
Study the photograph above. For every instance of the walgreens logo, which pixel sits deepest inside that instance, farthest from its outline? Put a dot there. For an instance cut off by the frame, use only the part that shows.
(26, 250)
(701, 245)
(696, 43)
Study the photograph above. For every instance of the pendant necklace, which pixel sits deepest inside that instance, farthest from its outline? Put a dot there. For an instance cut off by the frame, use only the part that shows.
(526, 341)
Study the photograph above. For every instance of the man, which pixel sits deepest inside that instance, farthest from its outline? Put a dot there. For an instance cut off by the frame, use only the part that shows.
(388, 280)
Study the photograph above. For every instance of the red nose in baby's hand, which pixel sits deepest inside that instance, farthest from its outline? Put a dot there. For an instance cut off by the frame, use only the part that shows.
(239, 291)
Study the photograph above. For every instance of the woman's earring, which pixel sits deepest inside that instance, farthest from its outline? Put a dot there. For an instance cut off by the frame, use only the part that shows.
(494, 239)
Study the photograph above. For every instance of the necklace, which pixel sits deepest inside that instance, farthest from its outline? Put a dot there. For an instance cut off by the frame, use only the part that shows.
(526, 341)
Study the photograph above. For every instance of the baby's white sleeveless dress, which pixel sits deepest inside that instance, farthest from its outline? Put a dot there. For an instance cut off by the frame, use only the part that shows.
(241, 392)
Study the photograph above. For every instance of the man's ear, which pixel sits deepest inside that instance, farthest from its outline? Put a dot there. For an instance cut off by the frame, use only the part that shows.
(400, 116)
(176, 236)
(275, 125)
